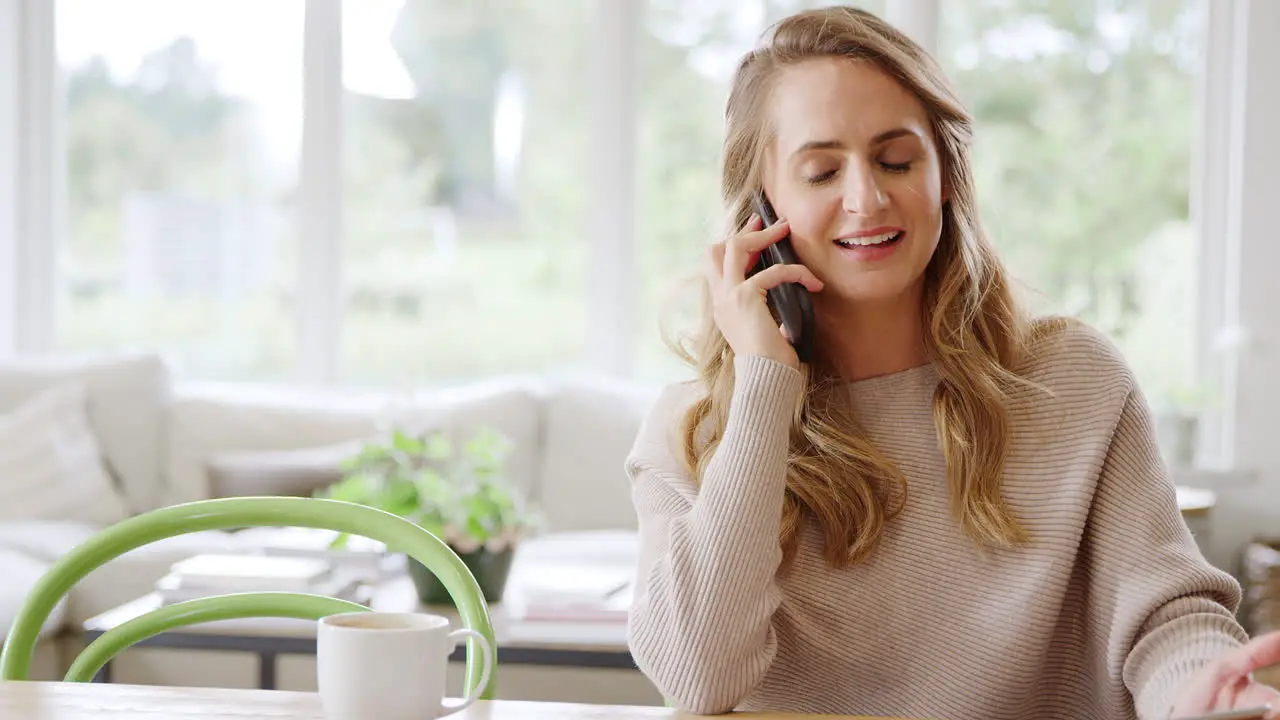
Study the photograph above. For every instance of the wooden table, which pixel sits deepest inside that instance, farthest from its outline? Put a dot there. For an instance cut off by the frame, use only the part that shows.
(86, 701)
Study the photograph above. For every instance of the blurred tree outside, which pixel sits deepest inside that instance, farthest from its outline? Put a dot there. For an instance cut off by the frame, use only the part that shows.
(141, 149)
(1084, 131)
(162, 132)
(465, 198)
(1083, 156)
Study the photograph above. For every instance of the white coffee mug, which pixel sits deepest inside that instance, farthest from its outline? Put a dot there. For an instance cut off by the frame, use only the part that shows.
(390, 665)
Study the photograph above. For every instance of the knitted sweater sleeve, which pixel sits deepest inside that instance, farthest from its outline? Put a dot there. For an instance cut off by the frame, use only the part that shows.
(1164, 609)
(700, 626)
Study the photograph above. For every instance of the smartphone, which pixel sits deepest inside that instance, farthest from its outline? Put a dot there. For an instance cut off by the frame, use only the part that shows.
(790, 302)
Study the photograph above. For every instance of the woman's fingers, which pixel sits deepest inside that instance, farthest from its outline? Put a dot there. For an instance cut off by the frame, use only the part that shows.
(1227, 683)
(746, 245)
(776, 275)
(1262, 651)
(739, 304)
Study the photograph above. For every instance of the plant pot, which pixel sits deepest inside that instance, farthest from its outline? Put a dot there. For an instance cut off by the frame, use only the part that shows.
(489, 568)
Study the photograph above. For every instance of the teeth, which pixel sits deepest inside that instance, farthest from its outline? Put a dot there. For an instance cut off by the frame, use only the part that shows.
(869, 240)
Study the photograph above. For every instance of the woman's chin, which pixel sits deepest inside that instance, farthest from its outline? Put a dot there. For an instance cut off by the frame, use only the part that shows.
(865, 291)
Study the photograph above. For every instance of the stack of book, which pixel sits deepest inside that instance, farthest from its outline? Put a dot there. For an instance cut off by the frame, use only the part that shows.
(574, 577)
(218, 574)
(575, 593)
(359, 556)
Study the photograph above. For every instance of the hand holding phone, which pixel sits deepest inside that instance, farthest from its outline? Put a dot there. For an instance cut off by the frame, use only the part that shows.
(743, 276)
(790, 302)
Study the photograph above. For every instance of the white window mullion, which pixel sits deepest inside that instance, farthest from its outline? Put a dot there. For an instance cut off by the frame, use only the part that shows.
(1216, 161)
(319, 300)
(31, 207)
(1254, 393)
(10, 142)
(613, 283)
(44, 172)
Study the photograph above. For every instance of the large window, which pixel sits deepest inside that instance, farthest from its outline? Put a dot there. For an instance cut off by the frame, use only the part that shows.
(182, 122)
(465, 187)
(472, 157)
(1085, 133)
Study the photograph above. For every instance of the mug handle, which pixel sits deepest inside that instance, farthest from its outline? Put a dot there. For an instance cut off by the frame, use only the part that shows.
(486, 654)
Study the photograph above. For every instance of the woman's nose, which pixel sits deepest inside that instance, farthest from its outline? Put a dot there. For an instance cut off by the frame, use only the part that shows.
(862, 193)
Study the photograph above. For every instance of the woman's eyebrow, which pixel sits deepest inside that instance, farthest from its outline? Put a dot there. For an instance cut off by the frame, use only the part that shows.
(883, 137)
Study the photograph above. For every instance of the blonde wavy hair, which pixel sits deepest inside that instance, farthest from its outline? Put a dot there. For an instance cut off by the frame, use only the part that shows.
(976, 336)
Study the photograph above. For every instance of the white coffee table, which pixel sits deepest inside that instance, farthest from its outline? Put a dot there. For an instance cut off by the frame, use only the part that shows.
(577, 643)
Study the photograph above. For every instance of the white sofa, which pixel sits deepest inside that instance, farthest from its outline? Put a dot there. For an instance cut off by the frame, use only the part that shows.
(165, 443)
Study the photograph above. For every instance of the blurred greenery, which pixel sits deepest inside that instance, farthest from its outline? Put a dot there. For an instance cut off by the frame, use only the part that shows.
(1084, 131)
(1083, 156)
(162, 144)
(461, 494)
(462, 262)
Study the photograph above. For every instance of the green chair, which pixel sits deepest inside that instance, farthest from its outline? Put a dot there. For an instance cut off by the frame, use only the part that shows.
(399, 535)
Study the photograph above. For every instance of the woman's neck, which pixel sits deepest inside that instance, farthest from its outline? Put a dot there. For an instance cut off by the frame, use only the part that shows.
(868, 339)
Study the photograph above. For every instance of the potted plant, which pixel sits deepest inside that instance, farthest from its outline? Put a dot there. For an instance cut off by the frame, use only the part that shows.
(460, 494)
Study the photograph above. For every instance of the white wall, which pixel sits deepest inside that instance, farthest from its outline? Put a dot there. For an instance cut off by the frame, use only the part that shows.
(9, 73)
(1253, 281)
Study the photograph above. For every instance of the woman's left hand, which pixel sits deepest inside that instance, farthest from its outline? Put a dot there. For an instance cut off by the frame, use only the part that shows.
(1227, 683)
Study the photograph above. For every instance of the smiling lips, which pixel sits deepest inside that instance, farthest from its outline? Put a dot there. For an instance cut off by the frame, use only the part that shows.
(875, 237)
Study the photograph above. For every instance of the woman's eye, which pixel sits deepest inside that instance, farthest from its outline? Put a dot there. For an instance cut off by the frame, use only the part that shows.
(896, 167)
(820, 177)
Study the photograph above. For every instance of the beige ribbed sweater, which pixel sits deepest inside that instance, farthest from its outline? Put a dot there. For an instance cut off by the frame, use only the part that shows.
(1105, 614)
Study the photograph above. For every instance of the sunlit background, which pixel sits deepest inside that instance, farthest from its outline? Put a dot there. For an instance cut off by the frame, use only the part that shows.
(262, 235)
(467, 183)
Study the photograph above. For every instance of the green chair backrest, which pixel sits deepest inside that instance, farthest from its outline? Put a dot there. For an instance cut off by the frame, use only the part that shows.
(399, 535)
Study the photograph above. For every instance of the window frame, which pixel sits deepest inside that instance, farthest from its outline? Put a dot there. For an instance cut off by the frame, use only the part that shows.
(10, 132)
(1229, 204)
(318, 308)
(30, 186)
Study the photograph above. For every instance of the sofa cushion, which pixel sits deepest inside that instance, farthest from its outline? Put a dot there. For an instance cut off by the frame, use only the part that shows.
(21, 572)
(589, 427)
(238, 473)
(125, 578)
(51, 465)
(209, 423)
(127, 403)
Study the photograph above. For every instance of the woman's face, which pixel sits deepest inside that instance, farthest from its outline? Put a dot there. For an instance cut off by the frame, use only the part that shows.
(855, 170)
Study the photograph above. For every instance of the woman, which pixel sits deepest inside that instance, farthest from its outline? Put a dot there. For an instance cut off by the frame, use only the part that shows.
(954, 512)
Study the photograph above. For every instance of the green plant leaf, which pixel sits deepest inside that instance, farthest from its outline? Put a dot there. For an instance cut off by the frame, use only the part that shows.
(425, 478)
(406, 443)
(476, 529)
(441, 446)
